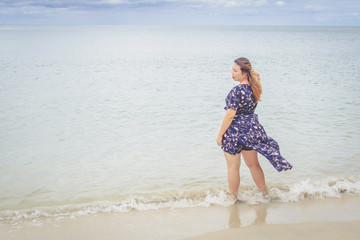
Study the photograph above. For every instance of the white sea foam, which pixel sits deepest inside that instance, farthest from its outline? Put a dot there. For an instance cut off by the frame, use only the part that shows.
(313, 189)
(316, 189)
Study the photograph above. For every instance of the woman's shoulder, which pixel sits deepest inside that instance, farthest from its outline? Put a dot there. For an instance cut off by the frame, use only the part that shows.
(238, 91)
(241, 87)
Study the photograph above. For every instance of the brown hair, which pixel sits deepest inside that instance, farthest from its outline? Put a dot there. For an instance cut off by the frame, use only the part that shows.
(253, 77)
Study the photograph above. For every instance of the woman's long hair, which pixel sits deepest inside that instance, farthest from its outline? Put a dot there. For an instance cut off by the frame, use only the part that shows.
(253, 77)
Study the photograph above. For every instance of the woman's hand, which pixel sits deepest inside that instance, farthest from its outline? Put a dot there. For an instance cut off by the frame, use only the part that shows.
(219, 140)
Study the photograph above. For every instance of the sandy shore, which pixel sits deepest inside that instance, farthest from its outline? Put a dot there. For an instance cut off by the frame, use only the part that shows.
(349, 230)
(309, 219)
(330, 218)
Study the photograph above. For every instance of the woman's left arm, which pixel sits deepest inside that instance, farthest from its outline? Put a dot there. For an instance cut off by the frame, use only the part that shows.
(228, 118)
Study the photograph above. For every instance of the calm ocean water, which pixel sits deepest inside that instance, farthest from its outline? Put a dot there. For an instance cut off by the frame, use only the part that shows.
(115, 118)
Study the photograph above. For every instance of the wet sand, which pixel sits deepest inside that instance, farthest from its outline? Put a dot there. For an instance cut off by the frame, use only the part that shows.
(310, 230)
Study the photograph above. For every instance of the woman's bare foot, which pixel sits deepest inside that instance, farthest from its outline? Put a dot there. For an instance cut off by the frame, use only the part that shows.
(264, 191)
(233, 196)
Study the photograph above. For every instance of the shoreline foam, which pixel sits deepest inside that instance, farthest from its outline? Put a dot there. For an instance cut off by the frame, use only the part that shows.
(291, 192)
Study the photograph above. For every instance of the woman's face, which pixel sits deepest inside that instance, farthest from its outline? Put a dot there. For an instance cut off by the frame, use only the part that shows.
(237, 74)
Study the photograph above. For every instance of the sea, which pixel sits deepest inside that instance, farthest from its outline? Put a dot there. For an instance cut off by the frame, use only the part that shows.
(121, 119)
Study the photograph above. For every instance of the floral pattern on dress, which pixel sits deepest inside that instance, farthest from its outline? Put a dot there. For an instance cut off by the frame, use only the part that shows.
(246, 132)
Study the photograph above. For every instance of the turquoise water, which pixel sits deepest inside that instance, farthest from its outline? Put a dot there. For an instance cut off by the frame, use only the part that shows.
(127, 117)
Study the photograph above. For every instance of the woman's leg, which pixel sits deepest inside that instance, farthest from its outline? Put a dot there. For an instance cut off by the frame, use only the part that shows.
(233, 165)
(251, 160)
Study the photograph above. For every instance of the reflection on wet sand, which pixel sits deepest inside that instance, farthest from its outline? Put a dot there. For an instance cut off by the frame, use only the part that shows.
(234, 216)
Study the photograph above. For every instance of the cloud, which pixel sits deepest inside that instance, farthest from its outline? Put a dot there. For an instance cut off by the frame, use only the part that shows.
(226, 3)
(48, 7)
(115, 3)
(280, 3)
(261, 3)
(259, 12)
(235, 3)
(316, 7)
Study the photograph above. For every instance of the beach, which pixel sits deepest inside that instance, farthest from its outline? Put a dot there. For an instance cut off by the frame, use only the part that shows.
(322, 219)
(309, 230)
(329, 218)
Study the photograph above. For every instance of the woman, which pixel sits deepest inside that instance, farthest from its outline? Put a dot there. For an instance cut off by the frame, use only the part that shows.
(241, 131)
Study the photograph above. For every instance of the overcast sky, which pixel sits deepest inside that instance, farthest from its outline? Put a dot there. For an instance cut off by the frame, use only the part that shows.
(185, 12)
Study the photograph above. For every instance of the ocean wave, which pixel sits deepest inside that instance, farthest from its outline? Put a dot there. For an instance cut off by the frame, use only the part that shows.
(248, 194)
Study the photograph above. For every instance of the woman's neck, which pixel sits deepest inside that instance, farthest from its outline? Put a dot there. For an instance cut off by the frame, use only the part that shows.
(244, 82)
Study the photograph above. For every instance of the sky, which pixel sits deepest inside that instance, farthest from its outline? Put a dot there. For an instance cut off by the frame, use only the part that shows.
(185, 12)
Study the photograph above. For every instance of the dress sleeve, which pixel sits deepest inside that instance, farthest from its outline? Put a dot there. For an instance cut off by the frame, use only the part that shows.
(233, 99)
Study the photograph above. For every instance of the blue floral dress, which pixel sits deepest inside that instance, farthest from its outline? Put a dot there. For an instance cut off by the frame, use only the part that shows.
(245, 131)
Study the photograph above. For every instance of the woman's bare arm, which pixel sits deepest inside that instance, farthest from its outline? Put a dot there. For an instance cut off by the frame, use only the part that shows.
(228, 118)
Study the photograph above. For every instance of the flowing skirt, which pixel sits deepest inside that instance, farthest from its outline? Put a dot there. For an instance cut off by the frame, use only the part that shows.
(246, 133)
